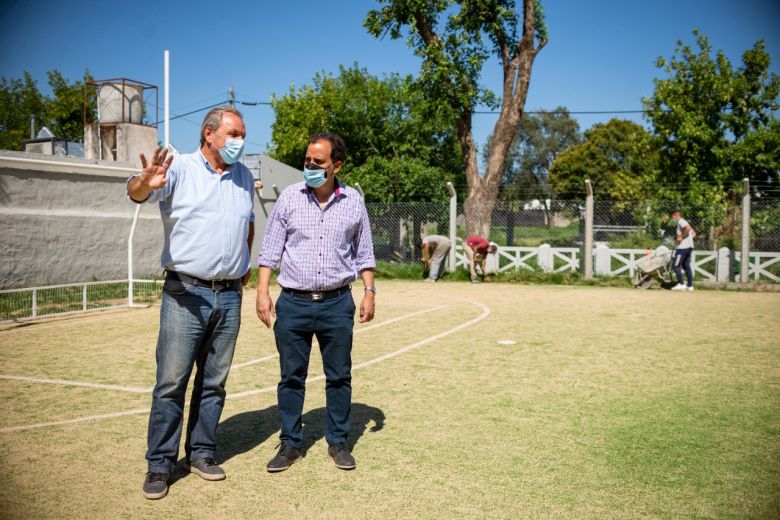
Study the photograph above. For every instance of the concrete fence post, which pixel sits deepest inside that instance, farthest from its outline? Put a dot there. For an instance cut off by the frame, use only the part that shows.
(744, 261)
(723, 265)
(587, 252)
(359, 189)
(603, 260)
(453, 226)
(545, 258)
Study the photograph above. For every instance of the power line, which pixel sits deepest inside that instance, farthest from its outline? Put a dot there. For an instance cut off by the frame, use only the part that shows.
(197, 110)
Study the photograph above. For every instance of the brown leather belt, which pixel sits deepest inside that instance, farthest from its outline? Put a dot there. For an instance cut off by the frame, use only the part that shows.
(317, 296)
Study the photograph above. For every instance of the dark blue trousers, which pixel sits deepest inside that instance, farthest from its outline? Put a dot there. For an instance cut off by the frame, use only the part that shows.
(682, 260)
(331, 321)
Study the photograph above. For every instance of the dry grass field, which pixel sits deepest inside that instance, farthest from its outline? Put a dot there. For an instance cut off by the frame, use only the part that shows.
(607, 403)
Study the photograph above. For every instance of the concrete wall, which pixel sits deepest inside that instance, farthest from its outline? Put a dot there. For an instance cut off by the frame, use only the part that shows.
(66, 219)
(122, 142)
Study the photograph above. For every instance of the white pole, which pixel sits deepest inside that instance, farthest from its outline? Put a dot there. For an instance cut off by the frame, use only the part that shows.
(130, 257)
(588, 246)
(453, 224)
(167, 125)
(166, 97)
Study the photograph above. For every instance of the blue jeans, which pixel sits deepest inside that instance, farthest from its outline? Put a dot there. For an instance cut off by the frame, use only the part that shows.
(682, 257)
(331, 321)
(198, 327)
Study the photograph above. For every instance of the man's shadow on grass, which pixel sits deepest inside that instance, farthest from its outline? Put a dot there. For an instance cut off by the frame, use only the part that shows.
(245, 431)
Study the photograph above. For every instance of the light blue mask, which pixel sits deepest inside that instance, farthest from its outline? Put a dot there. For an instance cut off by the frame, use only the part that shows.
(315, 178)
(232, 150)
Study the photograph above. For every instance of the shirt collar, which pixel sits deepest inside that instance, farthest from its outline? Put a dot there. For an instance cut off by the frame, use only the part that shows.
(341, 189)
(210, 168)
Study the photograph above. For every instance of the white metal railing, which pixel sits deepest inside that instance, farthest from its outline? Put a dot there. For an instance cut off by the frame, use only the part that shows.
(57, 300)
(710, 265)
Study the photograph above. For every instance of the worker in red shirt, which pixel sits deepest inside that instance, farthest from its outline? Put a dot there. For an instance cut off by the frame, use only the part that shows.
(477, 249)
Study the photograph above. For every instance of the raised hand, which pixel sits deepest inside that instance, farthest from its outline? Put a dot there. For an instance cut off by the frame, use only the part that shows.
(154, 174)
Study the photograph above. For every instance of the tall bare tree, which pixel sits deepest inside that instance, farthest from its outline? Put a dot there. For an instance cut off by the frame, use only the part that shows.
(454, 44)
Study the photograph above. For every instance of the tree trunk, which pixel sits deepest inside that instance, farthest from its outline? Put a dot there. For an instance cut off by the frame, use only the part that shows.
(483, 190)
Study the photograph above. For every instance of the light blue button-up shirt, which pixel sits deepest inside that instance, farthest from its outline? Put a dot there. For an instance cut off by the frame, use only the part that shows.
(206, 218)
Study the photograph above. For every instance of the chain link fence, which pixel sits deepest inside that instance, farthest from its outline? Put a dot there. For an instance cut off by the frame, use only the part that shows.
(628, 228)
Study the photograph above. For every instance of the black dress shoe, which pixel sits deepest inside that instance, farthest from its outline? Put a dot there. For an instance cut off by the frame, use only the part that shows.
(341, 456)
(286, 457)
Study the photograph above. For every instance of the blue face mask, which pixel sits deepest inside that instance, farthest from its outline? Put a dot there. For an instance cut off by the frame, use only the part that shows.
(315, 177)
(232, 150)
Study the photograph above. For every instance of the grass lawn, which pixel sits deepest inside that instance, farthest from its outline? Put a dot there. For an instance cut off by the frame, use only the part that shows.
(609, 403)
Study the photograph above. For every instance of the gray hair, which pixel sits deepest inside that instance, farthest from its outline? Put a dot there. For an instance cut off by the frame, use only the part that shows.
(214, 118)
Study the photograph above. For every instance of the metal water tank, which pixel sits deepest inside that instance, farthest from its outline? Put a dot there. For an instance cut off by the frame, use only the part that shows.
(121, 103)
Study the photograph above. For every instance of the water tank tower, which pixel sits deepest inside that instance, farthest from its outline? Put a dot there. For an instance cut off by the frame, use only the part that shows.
(117, 126)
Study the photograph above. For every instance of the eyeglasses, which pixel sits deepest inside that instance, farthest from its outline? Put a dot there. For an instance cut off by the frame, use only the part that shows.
(315, 166)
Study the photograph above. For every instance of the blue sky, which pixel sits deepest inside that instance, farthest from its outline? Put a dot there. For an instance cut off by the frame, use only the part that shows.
(600, 57)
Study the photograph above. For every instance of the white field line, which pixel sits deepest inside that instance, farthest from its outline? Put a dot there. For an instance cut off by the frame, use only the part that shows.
(485, 313)
(131, 389)
(137, 390)
(356, 331)
(75, 318)
(253, 361)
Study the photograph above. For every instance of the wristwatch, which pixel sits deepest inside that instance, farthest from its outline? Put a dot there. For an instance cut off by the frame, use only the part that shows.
(372, 289)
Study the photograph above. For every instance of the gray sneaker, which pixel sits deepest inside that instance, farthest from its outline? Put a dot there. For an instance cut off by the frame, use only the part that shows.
(286, 457)
(155, 485)
(341, 456)
(206, 469)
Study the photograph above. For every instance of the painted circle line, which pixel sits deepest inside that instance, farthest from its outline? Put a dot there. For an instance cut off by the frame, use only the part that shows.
(485, 313)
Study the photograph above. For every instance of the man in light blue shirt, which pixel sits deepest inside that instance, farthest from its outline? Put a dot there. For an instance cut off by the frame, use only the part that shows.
(206, 206)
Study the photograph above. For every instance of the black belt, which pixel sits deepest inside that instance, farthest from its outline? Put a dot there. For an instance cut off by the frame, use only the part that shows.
(318, 296)
(214, 285)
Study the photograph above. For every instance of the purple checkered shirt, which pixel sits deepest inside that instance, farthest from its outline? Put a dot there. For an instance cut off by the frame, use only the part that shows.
(319, 249)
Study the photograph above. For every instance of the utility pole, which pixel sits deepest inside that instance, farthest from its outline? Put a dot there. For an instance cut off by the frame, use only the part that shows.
(231, 97)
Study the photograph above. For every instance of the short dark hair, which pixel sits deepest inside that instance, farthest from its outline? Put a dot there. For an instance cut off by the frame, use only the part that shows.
(675, 211)
(338, 150)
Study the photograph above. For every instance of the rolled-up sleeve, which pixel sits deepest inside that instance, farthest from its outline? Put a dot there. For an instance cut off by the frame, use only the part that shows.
(275, 235)
(364, 245)
(160, 194)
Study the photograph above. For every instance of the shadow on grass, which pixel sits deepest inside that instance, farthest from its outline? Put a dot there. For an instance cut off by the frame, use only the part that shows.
(245, 431)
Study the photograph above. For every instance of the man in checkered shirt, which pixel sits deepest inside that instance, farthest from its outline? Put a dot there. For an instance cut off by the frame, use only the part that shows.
(319, 235)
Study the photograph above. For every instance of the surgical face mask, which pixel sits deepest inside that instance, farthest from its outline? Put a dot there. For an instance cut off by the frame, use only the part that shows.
(232, 150)
(314, 176)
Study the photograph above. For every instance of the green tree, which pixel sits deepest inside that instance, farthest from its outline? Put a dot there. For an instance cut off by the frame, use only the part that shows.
(19, 100)
(715, 124)
(453, 45)
(62, 112)
(539, 139)
(401, 147)
(619, 157)
(65, 109)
